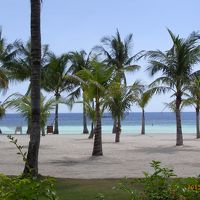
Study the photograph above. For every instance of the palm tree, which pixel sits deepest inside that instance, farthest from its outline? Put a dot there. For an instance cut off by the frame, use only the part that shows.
(142, 100)
(22, 104)
(193, 98)
(118, 100)
(55, 81)
(118, 55)
(78, 62)
(96, 81)
(176, 67)
(31, 166)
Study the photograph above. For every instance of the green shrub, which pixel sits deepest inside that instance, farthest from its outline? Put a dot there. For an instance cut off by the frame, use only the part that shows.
(162, 185)
(20, 188)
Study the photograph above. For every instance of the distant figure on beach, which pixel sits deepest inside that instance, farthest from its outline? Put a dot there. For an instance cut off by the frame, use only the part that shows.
(0, 131)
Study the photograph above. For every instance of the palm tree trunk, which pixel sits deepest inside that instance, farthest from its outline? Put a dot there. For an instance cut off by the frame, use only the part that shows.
(43, 131)
(31, 165)
(143, 122)
(85, 129)
(56, 131)
(92, 125)
(92, 131)
(197, 122)
(118, 130)
(97, 148)
(179, 136)
(114, 126)
(29, 127)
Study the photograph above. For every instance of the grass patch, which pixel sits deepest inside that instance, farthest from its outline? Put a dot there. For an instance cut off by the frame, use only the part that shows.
(81, 189)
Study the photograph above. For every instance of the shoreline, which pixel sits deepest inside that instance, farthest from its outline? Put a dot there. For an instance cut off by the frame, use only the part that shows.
(69, 156)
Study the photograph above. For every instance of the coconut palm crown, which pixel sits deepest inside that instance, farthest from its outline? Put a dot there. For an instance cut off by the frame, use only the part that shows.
(7, 54)
(118, 54)
(22, 103)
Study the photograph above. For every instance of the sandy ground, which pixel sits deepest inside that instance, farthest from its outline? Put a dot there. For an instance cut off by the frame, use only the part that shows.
(69, 156)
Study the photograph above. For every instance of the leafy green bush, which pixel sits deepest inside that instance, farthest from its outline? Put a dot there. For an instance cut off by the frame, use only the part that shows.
(20, 188)
(162, 185)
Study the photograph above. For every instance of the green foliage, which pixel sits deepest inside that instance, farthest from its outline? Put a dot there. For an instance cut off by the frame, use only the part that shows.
(117, 52)
(26, 188)
(22, 104)
(161, 185)
(175, 64)
(100, 197)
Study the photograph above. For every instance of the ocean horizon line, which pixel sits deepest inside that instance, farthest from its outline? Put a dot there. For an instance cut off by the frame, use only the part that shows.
(110, 112)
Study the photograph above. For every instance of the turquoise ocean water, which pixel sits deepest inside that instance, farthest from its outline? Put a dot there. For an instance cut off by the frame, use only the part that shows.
(71, 123)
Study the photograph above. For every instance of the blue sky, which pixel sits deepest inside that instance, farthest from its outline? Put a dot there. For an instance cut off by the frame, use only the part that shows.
(76, 25)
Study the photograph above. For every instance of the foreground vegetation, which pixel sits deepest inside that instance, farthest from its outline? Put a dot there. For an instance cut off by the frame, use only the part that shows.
(160, 185)
(127, 189)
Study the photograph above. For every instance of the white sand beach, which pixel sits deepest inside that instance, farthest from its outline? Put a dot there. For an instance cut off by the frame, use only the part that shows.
(69, 156)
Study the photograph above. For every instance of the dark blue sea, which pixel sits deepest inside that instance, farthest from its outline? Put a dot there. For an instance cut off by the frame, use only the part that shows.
(71, 123)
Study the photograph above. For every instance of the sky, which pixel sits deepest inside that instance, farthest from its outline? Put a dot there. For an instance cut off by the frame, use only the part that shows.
(68, 25)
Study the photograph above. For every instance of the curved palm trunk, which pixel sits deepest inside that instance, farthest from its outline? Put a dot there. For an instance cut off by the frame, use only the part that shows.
(97, 148)
(31, 165)
(85, 129)
(114, 126)
(143, 122)
(56, 131)
(197, 122)
(118, 130)
(179, 136)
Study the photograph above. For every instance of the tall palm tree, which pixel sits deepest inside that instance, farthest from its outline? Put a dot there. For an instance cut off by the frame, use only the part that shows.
(96, 81)
(31, 167)
(142, 100)
(175, 66)
(118, 55)
(193, 98)
(79, 60)
(118, 100)
(55, 81)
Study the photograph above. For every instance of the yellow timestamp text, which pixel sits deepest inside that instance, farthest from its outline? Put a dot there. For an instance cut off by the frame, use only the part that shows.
(193, 186)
